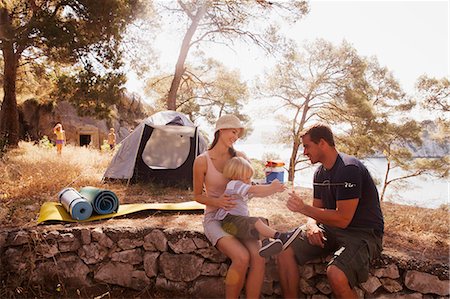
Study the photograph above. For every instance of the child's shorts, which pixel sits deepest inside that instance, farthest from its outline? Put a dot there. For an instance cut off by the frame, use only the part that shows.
(242, 227)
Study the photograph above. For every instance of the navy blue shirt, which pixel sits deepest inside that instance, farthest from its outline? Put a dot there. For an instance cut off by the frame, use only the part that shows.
(349, 179)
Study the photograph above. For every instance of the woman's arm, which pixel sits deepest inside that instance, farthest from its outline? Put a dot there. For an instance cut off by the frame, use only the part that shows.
(199, 173)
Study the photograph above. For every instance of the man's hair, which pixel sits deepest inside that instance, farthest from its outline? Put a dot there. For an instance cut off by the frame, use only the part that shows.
(320, 131)
(238, 168)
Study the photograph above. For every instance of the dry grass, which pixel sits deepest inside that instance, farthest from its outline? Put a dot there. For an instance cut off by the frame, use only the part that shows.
(31, 175)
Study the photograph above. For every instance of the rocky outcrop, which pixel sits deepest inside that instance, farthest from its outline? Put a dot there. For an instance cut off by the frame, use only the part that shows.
(181, 262)
(38, 119)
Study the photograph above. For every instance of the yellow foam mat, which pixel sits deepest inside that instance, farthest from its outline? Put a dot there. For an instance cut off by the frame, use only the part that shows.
(54, 211)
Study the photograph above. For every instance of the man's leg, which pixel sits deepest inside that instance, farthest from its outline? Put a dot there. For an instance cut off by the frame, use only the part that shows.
(288, 272)
(339, 283)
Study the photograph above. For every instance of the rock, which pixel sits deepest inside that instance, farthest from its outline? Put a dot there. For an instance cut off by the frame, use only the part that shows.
(208, 287)
(391, 271)
(115, 273)
(307, 271)
(324, 286)
(212, 254)
(151, 263)
(180, 267)
(200, 243)
(267, 287)
(371, 285)
(426, 283)
(99, 236)
(70, 270)
(165, 284)
(391, 285)
(85, 236)
(183, 245)
(320, 268)
(156, 240)
(92, 253)
(271, 273)
(68, 243)
(401, 296)
(126, 244)
(211, 269)
(47, 250)
(306, 288)
(139, 280)
(52, 235)
(133, 256)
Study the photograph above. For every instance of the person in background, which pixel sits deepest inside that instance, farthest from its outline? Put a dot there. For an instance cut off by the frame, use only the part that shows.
(209, 186)
(345, 219)
(237, 221)
(111, 138)
(60, 137)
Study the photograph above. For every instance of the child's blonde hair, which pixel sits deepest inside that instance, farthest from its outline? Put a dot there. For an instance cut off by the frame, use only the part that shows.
(238, 168)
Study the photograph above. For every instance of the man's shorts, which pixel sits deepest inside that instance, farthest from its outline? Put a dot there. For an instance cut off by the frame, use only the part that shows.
(352, 249)
(242, 227)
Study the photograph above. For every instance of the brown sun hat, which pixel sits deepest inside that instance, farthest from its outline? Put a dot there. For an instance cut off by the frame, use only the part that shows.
(229, 121)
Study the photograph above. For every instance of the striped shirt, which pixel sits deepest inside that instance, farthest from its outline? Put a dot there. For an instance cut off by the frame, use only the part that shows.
(239, 191)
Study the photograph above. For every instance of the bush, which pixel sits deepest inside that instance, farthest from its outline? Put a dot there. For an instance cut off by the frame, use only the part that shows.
(45, 142)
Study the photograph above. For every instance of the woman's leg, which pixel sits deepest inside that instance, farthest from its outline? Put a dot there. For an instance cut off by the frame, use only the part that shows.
(240, 258)
(255, 277)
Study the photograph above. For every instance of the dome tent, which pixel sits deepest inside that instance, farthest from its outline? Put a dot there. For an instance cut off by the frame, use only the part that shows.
(161, 149)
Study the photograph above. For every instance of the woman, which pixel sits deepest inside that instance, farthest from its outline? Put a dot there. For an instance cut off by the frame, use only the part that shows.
(208, 169)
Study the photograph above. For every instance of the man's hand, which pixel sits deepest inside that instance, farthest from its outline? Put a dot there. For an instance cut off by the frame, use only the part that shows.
(315, 235)
(295, 203)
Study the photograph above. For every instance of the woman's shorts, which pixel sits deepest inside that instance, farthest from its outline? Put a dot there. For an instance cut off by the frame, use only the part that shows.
(213, 230)
(59, 141)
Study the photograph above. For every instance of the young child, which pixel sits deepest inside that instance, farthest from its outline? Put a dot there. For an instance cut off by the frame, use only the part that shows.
(60, 137)
(237, 221)
(111, 138)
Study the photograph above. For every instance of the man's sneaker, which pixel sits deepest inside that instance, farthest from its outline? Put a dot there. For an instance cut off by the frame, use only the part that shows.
(270, 248)
(288, 237)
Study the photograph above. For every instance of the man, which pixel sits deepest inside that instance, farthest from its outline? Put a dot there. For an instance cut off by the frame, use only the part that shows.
(345, 219)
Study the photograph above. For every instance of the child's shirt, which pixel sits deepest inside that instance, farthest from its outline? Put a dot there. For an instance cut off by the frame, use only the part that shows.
(239, 190)
(59, 135)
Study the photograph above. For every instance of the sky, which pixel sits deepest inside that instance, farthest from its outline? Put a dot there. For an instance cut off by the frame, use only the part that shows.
(410, 38)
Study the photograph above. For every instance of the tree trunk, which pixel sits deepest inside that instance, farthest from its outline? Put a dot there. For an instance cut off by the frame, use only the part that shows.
(9, 115)
(292, 161)
(179, 68)
(386, 182)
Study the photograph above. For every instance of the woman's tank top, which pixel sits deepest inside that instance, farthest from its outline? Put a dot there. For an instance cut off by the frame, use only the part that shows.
(215, 182)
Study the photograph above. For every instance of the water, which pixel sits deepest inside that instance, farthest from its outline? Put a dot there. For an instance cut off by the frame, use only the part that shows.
(421, 191)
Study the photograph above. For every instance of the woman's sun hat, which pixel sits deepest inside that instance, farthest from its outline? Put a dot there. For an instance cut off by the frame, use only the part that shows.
(229, 121)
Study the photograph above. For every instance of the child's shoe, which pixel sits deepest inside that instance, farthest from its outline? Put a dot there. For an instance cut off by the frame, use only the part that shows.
(270, 248)
(288, 237)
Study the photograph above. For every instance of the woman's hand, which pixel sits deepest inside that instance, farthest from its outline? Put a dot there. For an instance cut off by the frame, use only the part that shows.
(315, 235)
(226, 202)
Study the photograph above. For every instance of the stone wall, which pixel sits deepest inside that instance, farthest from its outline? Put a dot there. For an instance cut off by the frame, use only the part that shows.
(74, 259)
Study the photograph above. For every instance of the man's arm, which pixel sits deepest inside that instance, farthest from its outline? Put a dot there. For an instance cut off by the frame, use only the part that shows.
(341, 217)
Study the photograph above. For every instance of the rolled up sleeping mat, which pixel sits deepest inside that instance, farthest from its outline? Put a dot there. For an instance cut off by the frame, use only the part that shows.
(75, 204)
(103, 201)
